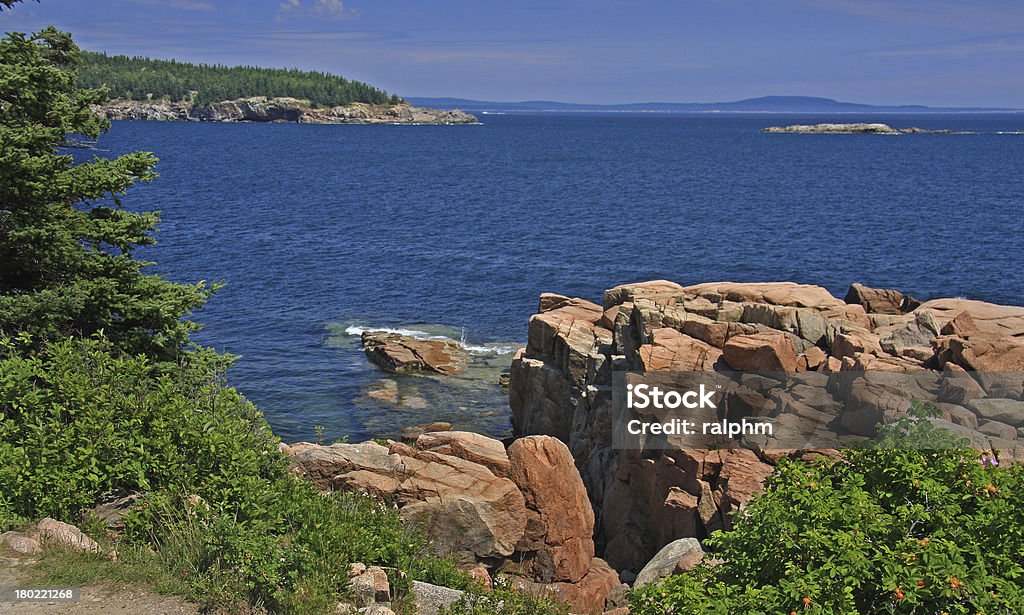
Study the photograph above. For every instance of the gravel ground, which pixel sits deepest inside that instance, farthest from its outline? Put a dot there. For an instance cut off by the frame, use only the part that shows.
(112, 598)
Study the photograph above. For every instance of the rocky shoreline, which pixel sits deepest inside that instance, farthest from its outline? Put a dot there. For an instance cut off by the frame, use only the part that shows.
(853, 129)
(564, 512)
(262, 109)
(561, 383)
(559, 510)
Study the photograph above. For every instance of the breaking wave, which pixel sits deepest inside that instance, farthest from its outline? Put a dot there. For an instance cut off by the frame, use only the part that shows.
(498, 348)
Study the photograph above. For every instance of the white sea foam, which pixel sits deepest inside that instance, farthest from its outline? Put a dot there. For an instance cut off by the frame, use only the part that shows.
(357, 330)
(490, 349)
(499, 349)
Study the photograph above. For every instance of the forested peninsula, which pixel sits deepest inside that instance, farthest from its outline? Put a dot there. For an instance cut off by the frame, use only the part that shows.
(169, 90)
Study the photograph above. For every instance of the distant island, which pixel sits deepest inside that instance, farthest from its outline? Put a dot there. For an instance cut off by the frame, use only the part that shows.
(856, 129)
(167, 90)
(763, 104)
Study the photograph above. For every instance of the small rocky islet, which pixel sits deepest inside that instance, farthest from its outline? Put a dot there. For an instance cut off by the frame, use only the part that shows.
(855, 129)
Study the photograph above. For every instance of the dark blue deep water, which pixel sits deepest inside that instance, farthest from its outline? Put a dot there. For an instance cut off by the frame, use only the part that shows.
(455, 230)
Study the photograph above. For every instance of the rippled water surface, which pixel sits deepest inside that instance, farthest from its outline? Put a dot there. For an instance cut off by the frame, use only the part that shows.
(322, 230)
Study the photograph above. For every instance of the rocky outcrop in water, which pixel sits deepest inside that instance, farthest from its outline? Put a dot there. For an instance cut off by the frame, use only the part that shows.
(851, 129)
(395, 353)
(262, 109)
(965, 357)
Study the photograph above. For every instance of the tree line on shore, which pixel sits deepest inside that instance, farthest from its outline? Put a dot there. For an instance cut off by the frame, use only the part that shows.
(139, 78)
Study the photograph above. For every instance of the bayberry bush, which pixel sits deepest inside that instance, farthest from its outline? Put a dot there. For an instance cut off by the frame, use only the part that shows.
(893, 529)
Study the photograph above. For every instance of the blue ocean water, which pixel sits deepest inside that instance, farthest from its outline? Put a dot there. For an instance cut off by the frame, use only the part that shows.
(320, 231)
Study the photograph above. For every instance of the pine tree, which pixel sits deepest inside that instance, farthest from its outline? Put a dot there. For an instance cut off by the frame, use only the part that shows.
(66, 244)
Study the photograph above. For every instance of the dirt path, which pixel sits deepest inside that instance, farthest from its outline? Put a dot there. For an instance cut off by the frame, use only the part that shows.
(112, 598)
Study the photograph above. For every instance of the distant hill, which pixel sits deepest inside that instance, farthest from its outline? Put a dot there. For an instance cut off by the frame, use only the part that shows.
(137, 78)
(764, 104)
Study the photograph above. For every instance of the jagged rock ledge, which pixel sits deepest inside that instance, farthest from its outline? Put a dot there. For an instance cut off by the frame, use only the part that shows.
(855, 129)
(263, 109)
(965, 357)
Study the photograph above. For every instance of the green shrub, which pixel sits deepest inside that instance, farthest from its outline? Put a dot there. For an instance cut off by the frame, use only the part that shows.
(221, 510)
(893, 529)
(77, 422)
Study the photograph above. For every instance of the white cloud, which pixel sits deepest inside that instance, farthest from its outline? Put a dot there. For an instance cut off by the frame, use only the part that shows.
(331, 7)
(334, 9)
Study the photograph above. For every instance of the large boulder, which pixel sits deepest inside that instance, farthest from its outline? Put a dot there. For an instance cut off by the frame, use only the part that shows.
(807, 324)
(998, 321)
(913, 339)
(855, 343)
(714, 332)
(871, 403)
(1009, 411)
(470, 446)
(429, 599)
(20, 542)
(675, 557)
(986, 353)
(876, 300)
(774, 293)
(462, 505)
(558, 544)
(671, 350)
(398, 353)
(587, 596)
(323, 464)
(958, 386)
(761, 352)
(53, 532)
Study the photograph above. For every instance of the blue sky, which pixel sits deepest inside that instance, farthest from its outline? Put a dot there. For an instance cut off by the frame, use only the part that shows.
(934, 52)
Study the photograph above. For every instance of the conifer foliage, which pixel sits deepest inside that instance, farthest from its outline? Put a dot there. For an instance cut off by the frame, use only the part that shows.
(67, 264)
(137, 78)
